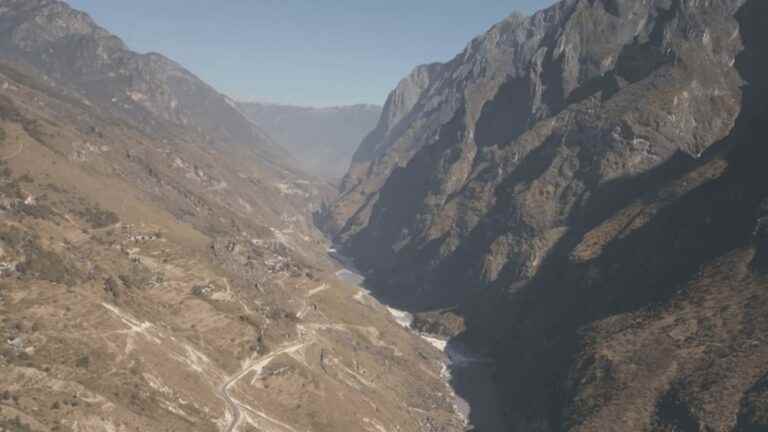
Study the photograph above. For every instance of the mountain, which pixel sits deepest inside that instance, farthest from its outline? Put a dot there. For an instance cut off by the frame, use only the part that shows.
(584, 188)
(78, 55)
(321, 139)
(159, 269)
(91, 77)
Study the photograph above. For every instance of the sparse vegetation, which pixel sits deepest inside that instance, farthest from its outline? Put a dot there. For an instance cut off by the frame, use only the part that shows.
(112, 289)
(37, 211)
(138, 277)
(46, 265)
(9, 188)
(10, 112)
(14, 425)
(38, 263)
(83, 362)
(98, 218)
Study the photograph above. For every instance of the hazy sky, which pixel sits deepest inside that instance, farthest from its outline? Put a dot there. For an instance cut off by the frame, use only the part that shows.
(306, 52)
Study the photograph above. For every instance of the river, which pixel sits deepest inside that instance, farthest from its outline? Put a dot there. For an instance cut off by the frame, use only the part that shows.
(470, 375)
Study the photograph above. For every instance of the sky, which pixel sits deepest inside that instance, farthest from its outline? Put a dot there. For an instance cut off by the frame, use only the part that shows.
(302, 52)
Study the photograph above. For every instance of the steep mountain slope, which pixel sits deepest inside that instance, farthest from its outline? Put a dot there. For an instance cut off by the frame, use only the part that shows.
(61, 52)
(79, 56)
(584, 184)
(323, 140)
(158, 266)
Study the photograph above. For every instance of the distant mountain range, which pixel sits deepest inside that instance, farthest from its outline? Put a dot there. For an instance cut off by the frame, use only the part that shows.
(323, 140)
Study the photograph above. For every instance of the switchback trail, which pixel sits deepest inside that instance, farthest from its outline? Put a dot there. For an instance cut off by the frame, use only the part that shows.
(234, 406)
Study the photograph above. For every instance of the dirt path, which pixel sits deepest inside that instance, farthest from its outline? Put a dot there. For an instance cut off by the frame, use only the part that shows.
(307, 336)
(318, 290)
(236, 407)
(239, 412)
(16, 153)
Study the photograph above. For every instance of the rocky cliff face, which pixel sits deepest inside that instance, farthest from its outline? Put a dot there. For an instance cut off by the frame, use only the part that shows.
(583, 184)
(635, 82)
(323, 140)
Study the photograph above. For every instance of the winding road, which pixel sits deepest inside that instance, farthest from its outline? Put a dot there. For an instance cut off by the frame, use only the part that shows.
(307, 335)
(234, 406)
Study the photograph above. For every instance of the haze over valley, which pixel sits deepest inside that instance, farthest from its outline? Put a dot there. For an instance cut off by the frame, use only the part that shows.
(323, 140)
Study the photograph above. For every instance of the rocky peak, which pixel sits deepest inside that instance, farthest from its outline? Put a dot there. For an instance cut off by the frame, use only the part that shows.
(400, 103)
(39, 22)
(407, 93)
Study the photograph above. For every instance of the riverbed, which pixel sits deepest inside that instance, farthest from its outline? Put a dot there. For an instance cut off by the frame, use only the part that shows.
(468, 374)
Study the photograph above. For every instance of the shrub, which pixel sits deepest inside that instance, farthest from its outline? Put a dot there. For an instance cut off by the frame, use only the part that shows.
(14, 425)
(83, 362)
(48, 266)
(97, 217)
(112, 288)
(139, 277)
(39, 263)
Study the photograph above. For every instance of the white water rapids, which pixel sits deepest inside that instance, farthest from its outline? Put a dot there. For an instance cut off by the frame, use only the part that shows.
(457, 356)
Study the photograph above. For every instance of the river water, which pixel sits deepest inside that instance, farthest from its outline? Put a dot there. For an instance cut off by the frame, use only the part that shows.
(470, 375)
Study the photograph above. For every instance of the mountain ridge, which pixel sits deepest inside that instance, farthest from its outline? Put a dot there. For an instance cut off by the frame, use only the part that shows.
(322, 139)
(149, 82)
